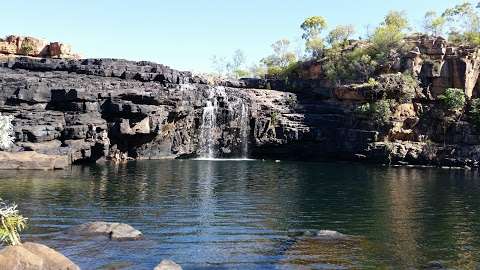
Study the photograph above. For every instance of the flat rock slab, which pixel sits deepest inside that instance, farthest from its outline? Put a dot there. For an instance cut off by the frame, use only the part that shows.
(115, 231)
(31, 160)
(32, 256)
(168, 265)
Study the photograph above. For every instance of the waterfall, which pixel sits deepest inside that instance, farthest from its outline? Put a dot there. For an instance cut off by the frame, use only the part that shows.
(209, 124)
(244, 129)
(225, 126)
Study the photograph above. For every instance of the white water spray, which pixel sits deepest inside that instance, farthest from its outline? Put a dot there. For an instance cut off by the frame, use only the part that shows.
(244, 129)
(207, 133)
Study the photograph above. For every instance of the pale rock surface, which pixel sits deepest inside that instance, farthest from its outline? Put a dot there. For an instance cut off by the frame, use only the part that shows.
(33, 256)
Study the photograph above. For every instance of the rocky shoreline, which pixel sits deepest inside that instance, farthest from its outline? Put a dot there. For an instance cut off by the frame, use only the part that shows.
(90, 110)
(34, 256)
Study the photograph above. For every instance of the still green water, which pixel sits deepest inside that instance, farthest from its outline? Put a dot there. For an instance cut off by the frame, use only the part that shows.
(243, 214)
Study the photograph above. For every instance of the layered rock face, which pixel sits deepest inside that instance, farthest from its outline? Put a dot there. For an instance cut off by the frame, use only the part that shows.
(92, 109)
(95, 109)
(419, 131)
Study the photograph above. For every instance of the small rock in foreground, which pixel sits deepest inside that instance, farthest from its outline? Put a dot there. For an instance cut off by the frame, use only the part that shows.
(168, 265)
(32, 256)
(115, 231)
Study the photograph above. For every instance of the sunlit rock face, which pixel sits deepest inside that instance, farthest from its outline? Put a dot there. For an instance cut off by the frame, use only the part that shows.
(96, 109)
(36, 47)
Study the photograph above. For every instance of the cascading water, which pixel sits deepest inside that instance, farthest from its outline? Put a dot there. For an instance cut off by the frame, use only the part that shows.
(244, 129)
(221, 117)
(209, 122)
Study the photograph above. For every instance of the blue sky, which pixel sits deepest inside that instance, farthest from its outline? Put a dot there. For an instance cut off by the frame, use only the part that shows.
(186, 34)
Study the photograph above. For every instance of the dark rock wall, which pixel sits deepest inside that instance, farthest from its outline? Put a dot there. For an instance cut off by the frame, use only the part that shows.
(84, 110)
(95, 109)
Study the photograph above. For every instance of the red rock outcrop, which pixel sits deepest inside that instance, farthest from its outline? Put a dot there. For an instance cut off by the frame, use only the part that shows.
(35, 47)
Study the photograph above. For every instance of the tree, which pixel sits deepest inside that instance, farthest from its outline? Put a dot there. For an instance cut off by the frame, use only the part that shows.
(396, 19)
(388, 36)
(219, 65)
(281, 59)
(463, 16)
(6, 131)
(464, 23)
(340, 34)
(232, 68)
(434, 24)
(312, 28)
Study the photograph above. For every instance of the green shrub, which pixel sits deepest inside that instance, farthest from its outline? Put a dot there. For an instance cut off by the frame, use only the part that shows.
(26, 49)
(475, 112)
(372, 82)
(11, 223)
(453, 99)
(379, 111)
(397, 86)
(348, 66)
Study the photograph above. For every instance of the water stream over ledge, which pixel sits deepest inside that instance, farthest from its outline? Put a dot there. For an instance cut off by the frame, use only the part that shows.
(218, 113)
(241, 214)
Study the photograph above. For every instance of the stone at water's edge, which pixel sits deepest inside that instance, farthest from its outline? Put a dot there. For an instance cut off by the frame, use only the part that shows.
(115, 231)
(30, 160)
(168, 265)
(32, 256)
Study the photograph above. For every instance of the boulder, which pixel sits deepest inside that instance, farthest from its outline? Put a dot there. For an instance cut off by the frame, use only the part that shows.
(115, 231)
(31, 160)
(168, 265)
(32, 256)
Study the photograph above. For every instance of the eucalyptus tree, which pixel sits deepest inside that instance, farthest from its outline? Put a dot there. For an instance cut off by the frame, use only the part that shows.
(312, 28)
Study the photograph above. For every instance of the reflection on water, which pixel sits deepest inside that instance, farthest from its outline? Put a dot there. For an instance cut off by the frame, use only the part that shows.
(239, 214)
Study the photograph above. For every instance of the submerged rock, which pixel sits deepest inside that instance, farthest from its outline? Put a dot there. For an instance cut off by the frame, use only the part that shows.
(435, 265)
(115, 231)
(328, 234)
(321, 234)
(32, 256)
(168, 265)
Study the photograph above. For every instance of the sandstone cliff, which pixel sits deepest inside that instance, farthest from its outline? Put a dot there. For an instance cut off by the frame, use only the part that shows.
(30, 46)
(94, 109)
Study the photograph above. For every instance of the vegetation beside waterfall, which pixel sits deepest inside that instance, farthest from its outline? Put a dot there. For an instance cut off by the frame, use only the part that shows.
(346, 59)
